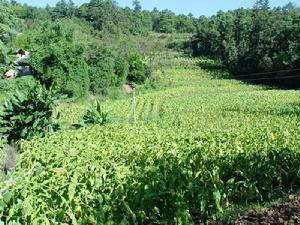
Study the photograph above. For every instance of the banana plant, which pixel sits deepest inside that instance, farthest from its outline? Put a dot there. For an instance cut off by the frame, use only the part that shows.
(95, 115)
(27, 115)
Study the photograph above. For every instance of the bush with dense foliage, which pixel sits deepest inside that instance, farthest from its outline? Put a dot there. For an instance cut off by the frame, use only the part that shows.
(57, 61)
(27, 115)
(111, 65)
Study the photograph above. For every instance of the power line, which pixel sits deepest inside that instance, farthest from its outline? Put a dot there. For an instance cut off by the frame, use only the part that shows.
(262, 89)
(263, 73)
(271, 78)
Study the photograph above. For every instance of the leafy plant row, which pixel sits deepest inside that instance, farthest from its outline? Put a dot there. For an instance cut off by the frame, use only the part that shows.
(149, 173)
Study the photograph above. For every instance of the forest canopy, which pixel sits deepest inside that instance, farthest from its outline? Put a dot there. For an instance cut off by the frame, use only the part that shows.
(251, 40)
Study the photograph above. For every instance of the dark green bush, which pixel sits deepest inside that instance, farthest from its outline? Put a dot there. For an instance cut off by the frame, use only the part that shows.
(110, 68)
(121, 70)
(27, 115)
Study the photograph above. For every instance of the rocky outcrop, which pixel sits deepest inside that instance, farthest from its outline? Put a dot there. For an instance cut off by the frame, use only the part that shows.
(10, 74)
(22, 67)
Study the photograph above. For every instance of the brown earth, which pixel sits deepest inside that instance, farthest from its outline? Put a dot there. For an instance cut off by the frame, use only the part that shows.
(287, 213)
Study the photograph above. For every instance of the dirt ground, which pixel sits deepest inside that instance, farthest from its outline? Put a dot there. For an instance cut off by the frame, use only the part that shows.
(287, 213)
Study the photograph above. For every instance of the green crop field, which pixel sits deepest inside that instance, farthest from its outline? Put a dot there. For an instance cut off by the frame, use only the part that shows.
(200, 146)
(112, 113)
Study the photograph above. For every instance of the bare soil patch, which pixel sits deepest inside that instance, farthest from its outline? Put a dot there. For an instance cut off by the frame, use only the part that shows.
(287, 213)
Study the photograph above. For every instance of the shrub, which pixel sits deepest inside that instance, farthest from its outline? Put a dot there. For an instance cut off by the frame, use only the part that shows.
(137, 71)
(27, 115)
(121, 70)
(101, 75)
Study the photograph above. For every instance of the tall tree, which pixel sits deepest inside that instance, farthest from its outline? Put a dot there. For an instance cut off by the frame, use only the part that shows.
(262, 4)
(137, 5)
(164, 21)
(101, 13)
(13, 2)
(63, 8)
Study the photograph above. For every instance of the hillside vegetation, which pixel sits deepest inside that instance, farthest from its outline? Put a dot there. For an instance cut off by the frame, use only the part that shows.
(259, 44)
(200, 145)
(133, 116)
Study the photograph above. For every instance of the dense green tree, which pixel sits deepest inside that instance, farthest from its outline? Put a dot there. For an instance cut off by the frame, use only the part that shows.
(57, 61)
(110, 66)
(164, 22)
(102, 75)
(106, 14)
(140, 23)
(185, 24)
(63, 9)
(13, 2)
(31, 16)
(101, 13)
(8, 22)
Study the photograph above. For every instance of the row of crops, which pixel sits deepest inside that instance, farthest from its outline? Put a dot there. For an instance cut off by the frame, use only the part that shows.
(200, 146)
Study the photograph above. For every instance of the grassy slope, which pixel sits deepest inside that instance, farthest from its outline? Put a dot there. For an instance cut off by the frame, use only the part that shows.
(188, 116)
